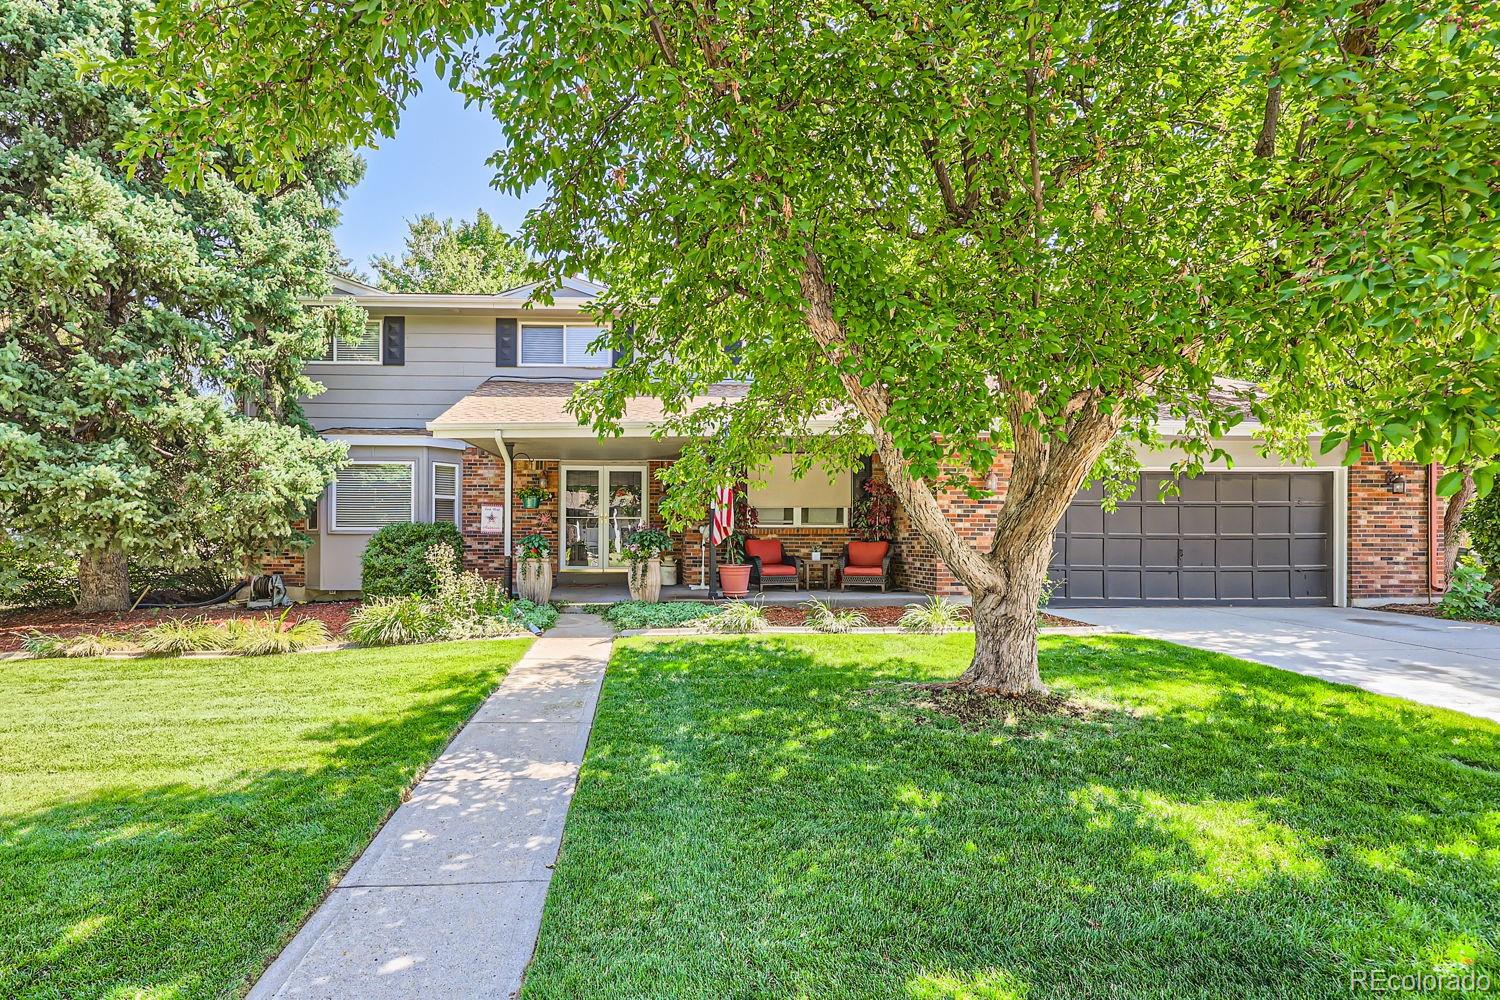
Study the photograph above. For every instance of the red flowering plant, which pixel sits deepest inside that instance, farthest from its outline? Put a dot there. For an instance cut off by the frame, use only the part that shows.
(875, 513)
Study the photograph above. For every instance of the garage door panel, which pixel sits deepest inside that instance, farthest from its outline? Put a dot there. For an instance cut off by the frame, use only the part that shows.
(1243, 537)
(1199, 520)
(1199, 552)
(1124, 520)
(1122, 552)
(1236, 520)
(1271, 520)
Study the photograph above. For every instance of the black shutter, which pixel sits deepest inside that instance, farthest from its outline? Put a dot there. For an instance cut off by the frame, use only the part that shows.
(616, 354)
(505, 343)
(866, 470)
(393, 340)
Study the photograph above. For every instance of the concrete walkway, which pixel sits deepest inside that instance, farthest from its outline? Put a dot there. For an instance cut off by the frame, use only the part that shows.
(447, 900)
(1448, 664)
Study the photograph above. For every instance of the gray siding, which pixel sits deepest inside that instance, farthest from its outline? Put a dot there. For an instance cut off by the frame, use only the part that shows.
(447, 355)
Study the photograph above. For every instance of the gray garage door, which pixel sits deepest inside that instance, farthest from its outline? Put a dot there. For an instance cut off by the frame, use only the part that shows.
(1226, 537)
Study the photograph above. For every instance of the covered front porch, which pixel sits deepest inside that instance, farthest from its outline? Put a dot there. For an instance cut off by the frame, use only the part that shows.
(605, 589)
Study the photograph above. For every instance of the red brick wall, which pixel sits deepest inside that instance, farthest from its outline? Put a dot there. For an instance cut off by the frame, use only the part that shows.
(1388, 531)
(290, 562)
(483, 485)
(919, 566)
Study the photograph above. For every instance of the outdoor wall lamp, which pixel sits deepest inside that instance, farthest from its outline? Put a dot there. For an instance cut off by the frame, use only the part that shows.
(1394, 482)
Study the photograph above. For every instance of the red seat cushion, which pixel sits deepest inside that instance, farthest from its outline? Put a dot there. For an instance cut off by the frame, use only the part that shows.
(777, 569)
(767, 549)
(867, 554)
(862, 570)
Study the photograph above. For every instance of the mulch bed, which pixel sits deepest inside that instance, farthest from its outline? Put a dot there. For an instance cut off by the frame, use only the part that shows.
(14, 625)
(883, 616)
(979, 710)
(1431, 611)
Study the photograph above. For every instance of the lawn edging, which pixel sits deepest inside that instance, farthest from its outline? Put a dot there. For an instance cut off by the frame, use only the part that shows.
(1063, 630)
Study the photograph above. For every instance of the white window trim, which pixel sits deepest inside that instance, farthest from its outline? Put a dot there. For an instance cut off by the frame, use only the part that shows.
(457, 491)
(797, 522)
(333, 500)
(379, 325)
(566, 326)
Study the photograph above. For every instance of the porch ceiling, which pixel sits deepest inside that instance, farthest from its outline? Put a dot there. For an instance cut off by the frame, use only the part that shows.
(578, 447)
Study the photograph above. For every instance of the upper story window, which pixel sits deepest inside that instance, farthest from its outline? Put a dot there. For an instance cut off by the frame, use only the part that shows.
(561, 344)
(366, 352)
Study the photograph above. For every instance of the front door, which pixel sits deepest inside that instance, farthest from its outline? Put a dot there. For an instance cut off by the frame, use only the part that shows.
(602, 505)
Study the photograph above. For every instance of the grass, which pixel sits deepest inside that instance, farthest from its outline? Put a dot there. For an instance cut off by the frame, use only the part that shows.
(776, 817)
(166, 824)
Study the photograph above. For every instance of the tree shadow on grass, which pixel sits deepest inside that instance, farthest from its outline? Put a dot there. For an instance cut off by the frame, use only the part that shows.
(188, 891)
(770, 813)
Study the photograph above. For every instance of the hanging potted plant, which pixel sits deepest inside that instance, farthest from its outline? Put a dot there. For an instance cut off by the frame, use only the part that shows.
(533, 497)
(875, 514)
(534, 569)
(644, 550)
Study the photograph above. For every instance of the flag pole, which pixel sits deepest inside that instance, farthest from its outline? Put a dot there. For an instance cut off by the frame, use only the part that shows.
(713, 565)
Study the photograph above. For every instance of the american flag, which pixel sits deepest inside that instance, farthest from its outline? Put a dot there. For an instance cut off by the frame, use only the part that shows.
(722, 522)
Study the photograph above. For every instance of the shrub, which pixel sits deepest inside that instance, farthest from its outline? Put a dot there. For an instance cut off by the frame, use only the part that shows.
(739, 617)
(826, 619)
(268, 637)
(936, 616)
(1481, 521)
(175, 637)
(395, 562)
(29, 580)
(667, 614)
(462, 594)
(45, 647)
(532, 615)
(394, 621)
(1468, 593)
(41, 645)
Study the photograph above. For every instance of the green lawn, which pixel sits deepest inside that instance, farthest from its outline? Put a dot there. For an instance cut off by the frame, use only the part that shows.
(771, 817)
(165, 825)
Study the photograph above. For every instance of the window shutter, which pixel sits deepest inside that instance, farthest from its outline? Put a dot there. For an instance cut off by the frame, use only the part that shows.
(616, 355)
(393, 334)
(505, 343)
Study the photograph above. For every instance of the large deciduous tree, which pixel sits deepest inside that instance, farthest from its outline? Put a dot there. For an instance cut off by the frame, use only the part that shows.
(476, 258)
(151, 342)
(968, 227)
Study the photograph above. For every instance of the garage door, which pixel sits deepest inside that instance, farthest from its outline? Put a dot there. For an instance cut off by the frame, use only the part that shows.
(1226, 537)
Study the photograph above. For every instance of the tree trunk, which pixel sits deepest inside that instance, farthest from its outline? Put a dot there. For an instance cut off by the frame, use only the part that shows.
(1457, 504)
(103, 580)
(1005, 628)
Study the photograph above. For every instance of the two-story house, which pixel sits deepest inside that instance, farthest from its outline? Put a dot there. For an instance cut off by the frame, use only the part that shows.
(452, 405)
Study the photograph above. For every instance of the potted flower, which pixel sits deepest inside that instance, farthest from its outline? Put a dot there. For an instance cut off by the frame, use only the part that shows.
(534, 569)
(533, 497)
(734, 571)
(644, 550)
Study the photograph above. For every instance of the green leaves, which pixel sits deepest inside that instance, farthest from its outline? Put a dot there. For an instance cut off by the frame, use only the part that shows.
(144, 325)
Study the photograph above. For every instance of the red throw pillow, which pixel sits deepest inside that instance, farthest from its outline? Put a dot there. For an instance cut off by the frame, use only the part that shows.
(767, 549)
(867, 553)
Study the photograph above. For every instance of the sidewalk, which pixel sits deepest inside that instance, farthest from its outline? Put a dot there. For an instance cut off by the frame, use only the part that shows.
(447, 900)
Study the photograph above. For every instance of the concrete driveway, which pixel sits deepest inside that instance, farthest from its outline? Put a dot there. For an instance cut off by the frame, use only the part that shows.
(1449, 664)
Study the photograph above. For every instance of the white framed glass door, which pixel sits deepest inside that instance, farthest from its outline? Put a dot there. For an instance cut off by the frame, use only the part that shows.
(601, 506)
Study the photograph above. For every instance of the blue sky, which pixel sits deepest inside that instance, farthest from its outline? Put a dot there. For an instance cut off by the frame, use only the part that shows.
(434, 164)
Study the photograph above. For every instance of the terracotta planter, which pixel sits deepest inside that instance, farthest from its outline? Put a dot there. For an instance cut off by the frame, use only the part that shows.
(734, 579)
(645, 580)
(534, 580)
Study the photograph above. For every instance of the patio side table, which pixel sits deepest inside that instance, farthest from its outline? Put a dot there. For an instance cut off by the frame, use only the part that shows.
(827, 569)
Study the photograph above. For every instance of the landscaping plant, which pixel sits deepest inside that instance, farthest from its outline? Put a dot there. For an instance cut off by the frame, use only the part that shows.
(394, 621)
(1468, 594)
(824, 618)
(396, 561)
(934, 616)
(176, 636)
(735, 617)
(874, 516)
(659, 614)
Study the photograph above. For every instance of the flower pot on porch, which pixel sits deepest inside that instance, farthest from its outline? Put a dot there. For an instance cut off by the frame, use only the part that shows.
(531, 503)
(534, 580)
(669, 572)
(734, 579)
(645, 580)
